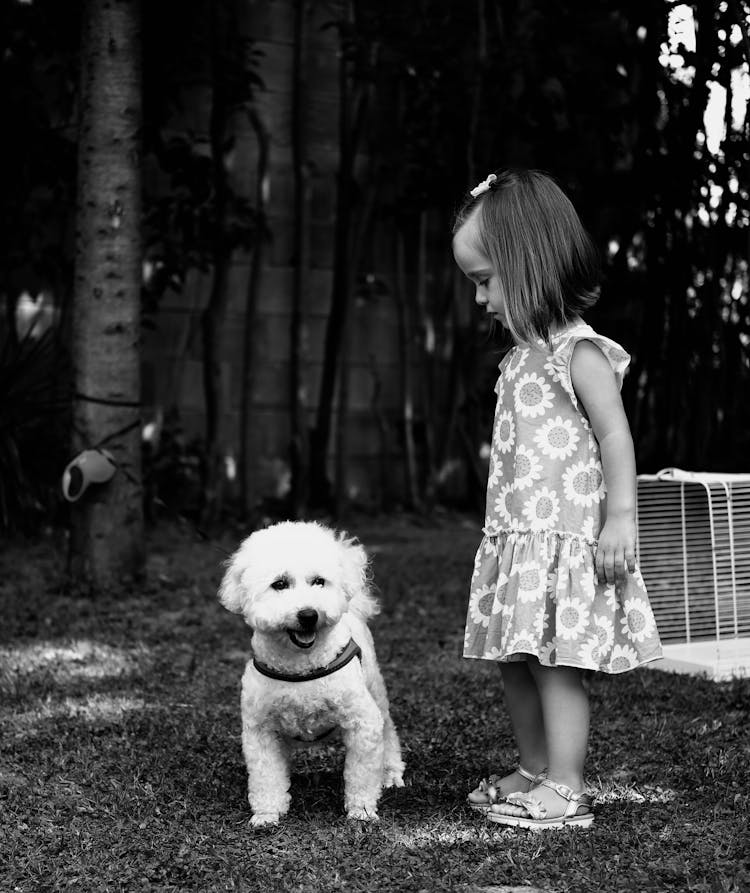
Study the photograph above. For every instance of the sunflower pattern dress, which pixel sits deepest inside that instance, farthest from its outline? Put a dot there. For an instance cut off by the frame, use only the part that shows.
(534, 589)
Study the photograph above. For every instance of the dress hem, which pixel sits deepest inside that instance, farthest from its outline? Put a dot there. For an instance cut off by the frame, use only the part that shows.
(521, 656)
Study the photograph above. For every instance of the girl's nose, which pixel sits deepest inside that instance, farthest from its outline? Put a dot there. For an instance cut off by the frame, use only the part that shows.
(479, 299)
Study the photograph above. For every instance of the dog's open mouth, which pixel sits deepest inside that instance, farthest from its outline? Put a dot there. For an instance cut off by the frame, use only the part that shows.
(301, 638)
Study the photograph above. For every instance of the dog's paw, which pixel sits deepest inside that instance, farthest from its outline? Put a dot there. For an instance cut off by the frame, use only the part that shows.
(362, 814)
(264, 819)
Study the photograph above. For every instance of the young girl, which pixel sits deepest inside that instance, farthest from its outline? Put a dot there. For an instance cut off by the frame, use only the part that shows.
(555, 589)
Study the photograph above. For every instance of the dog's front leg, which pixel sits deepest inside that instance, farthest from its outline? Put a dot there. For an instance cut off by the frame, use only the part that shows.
(268, 774)
(393, 764)
(363, 765)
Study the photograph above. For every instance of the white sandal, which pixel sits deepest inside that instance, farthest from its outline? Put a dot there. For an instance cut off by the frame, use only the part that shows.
(536, 818)
(487, 793)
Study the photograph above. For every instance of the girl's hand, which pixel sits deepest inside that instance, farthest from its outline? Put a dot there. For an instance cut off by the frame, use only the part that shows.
(599, 394)
(615, 552)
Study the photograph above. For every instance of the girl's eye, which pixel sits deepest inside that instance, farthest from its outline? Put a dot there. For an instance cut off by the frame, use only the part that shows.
(483, 283)
(281, 583)
(317, 581)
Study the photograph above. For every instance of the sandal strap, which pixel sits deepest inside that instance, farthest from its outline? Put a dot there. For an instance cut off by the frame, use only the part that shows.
(529, 776)
(492, 780)
(488, 786)
(568, 793)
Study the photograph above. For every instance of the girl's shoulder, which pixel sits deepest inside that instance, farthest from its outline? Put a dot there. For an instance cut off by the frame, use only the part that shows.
(564, 343)
(554, 357)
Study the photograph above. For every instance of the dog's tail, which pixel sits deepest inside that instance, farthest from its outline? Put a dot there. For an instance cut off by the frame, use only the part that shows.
(358, 579)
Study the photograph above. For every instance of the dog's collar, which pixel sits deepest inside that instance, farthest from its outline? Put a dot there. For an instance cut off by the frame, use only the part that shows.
(351, 651)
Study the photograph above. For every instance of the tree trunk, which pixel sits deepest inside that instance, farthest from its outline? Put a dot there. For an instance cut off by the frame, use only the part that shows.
(354, 101)
(107, 522)
(405, 339)
(424, 310)
(320, 487)
(340, 489)
(248, 494)
(213, 321)
(298, 398)
(359, 235)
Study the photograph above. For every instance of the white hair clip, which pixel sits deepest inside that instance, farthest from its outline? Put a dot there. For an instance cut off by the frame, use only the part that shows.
(483, 187)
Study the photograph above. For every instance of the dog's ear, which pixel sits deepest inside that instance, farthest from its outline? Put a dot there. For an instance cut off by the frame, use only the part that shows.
(355, 564)
(231, 592)
(356, 578)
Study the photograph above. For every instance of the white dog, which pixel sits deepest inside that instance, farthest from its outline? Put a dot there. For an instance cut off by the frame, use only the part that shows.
(303, 589)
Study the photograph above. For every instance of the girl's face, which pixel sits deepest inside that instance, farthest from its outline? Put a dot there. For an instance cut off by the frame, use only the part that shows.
(476, 266)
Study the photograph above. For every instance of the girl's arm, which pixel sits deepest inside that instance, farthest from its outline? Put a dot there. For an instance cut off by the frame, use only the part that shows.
(596, 387)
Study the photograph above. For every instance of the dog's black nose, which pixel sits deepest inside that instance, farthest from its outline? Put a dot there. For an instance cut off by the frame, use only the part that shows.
(307, 617)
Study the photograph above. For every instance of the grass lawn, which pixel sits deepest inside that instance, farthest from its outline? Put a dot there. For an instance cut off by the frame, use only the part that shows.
(120, 762)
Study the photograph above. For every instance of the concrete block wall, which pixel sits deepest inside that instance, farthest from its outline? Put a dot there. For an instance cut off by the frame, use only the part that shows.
(172, 351)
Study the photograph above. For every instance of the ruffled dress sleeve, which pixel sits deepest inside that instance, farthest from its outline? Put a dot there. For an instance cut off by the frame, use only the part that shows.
(617, 356)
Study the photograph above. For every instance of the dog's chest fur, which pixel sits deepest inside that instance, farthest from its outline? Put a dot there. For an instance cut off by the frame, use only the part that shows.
(306, 720)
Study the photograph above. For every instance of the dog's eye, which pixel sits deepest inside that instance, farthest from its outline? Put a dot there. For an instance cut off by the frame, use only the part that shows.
(281, 583)
(317, 581)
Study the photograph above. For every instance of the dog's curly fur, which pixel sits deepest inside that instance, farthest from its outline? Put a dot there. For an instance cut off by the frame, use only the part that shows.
(304, 590)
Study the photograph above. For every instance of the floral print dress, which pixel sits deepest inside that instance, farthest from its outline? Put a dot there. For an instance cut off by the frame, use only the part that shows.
(534, 589)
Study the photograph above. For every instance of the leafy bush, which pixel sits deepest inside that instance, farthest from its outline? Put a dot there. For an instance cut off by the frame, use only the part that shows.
(34, 417)
(173, 471)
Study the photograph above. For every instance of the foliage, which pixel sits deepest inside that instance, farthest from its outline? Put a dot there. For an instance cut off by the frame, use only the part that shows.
(597, 93)
(181, 224)
(122, 769)
(173, 471)
(186, 213)
(34, 408)
(37, 82)
(611, 103)
(688, 253)
(39, 74)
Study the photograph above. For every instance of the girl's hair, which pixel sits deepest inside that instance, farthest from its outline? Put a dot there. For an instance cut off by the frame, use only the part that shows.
(544, 259)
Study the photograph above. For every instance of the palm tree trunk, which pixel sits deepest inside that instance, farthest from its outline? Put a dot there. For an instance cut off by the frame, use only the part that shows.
(107, 521)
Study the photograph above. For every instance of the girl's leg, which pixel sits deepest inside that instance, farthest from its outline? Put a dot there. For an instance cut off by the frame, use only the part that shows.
(522, 699)
(565, 707)
(524, 708)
